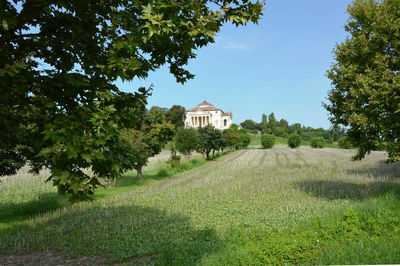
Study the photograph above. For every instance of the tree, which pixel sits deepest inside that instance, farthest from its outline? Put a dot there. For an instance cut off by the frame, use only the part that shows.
(230, 137)
(250, 124)
(294, 141)
(176, 115)
(267, 141)
(209, 139)
(318, 142)
(186, 140)
(147, 140)
(244, 141)
(264, 123)
(344, 143)
(272, 123)
(366, 79)
(59, 61)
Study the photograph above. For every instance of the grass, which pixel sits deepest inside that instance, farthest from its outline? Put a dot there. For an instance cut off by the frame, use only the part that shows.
(256, 141)
(278, 206)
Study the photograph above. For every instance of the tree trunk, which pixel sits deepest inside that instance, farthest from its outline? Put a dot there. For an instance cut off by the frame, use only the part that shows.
(208, 155)
(139, 172)
(114, 181)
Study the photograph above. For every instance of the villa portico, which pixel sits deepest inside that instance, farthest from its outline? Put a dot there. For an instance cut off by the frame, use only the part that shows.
(205, 114)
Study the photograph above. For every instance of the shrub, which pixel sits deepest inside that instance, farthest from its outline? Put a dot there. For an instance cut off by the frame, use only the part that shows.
(318, 142)
(244, 141)
(344, 143)
(294, 141)
(186, 140)
(175, 160)
(267, 141)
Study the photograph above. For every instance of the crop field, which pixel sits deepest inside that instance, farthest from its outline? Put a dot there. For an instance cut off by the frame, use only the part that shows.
(301, 206)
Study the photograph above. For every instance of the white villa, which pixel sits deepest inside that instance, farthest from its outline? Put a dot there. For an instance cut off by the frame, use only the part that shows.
(204, 114)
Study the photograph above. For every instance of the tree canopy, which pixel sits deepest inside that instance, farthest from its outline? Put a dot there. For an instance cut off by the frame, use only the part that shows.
(146, 140)
(59, 61)
(176, 115)
(365, 97)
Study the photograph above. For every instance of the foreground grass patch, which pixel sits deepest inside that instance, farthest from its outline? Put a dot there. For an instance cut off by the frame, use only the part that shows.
(369, 235)
(278, 206)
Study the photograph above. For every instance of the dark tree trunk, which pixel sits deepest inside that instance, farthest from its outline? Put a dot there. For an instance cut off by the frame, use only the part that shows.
(208, 155)
(139, 172)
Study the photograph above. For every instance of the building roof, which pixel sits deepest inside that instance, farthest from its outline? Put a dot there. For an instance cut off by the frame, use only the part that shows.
(206, 106)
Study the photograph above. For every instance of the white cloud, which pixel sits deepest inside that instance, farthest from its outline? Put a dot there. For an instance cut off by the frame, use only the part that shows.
(231, 45)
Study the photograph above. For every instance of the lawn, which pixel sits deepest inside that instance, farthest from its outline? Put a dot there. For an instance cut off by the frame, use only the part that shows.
(302, 206)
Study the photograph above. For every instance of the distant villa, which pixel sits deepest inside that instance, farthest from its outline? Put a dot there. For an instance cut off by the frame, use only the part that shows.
(204, 114)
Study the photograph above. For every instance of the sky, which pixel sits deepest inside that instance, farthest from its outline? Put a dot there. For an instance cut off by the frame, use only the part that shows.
(276, 66)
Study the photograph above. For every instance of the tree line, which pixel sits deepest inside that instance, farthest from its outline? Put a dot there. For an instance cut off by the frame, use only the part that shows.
(270, 125)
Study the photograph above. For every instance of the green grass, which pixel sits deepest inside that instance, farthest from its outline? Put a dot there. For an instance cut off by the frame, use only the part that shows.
(249, 207)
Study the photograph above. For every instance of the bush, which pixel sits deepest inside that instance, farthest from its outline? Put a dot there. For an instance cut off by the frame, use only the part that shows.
(318, 142)
(244, 141)
(294, 141)
(186, 140)
(344, 143)
(175, 160)
(267, 141)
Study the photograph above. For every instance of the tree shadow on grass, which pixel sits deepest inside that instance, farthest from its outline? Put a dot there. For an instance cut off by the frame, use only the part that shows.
(127, 234)
(332, 190)
(382, 171)
(11, 212)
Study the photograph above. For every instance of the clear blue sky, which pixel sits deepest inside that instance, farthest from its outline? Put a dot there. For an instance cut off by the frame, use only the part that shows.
(277, 66)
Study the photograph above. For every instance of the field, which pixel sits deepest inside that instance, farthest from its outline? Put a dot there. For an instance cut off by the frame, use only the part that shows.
(303, 206)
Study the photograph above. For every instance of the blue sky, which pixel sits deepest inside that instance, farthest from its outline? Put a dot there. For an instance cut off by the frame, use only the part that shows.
(277, 66)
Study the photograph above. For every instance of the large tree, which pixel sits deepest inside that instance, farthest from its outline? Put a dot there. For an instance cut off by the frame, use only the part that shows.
(146, 140)
(176, 115)
(209, 139)
(59, 60)
(365, 97)
(186, 140)
(250, 124)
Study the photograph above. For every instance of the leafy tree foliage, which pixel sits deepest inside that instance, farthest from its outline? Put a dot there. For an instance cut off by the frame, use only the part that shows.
(344, 143)
(244, 141)
(230, 137)
(250, 124)
(294, 141)
(59, 60)
(366, 79)
(270, 125)
(264, 123)
(147, 140)
(267, 141)
(317, 142)
(186, 140)
(176, 115)
(209, 139)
